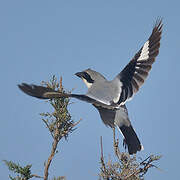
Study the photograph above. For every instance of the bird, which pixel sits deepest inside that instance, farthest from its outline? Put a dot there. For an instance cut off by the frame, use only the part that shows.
(109, 97)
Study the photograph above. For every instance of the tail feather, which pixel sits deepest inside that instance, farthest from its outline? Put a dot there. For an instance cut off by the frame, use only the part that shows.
(130, 139)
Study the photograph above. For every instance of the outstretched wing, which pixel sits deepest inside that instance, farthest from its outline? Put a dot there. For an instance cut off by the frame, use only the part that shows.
(134, 74)
(40, 91)
(48, 93)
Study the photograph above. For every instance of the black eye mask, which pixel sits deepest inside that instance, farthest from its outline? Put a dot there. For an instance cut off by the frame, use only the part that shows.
(85, 75)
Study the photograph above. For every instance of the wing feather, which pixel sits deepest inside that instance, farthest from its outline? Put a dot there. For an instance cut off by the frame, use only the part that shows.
(135, 73)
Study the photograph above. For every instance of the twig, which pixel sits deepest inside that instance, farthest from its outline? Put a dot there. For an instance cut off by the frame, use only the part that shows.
(60, 84)
(102, 157)
(134, 173)
(48, 128)
(143, 170)
(53, 150)
(36, 176)
(102, 161)
(145, 160)
(116, 147)
(61, 123)
(76, 123)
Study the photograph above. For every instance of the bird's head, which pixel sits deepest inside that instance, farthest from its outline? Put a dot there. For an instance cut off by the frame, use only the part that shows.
(90, 76)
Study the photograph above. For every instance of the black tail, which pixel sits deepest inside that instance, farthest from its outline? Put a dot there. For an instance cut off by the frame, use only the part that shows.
(131, 140)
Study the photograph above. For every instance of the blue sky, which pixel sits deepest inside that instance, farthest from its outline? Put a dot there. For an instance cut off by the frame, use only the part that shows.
(39, 39)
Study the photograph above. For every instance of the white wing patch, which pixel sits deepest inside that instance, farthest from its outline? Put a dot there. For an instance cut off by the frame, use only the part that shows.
(144, 52)
(119, 85)
(116, 99)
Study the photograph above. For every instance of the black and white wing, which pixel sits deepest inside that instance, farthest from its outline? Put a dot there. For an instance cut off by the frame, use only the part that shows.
(134, 74)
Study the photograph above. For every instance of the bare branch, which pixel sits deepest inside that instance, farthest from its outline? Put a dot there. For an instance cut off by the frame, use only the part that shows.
(36, 176)
(116, 145)
(47, 125)
(47, 165)
(102, 157)
(60, 124)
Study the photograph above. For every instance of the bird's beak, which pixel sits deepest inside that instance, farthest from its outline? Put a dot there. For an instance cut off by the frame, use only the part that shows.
(79, 74)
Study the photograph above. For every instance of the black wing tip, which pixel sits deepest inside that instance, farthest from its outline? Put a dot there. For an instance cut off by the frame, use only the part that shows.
(158, 24)
(22, 85)
(25, 86)
(32, 90)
